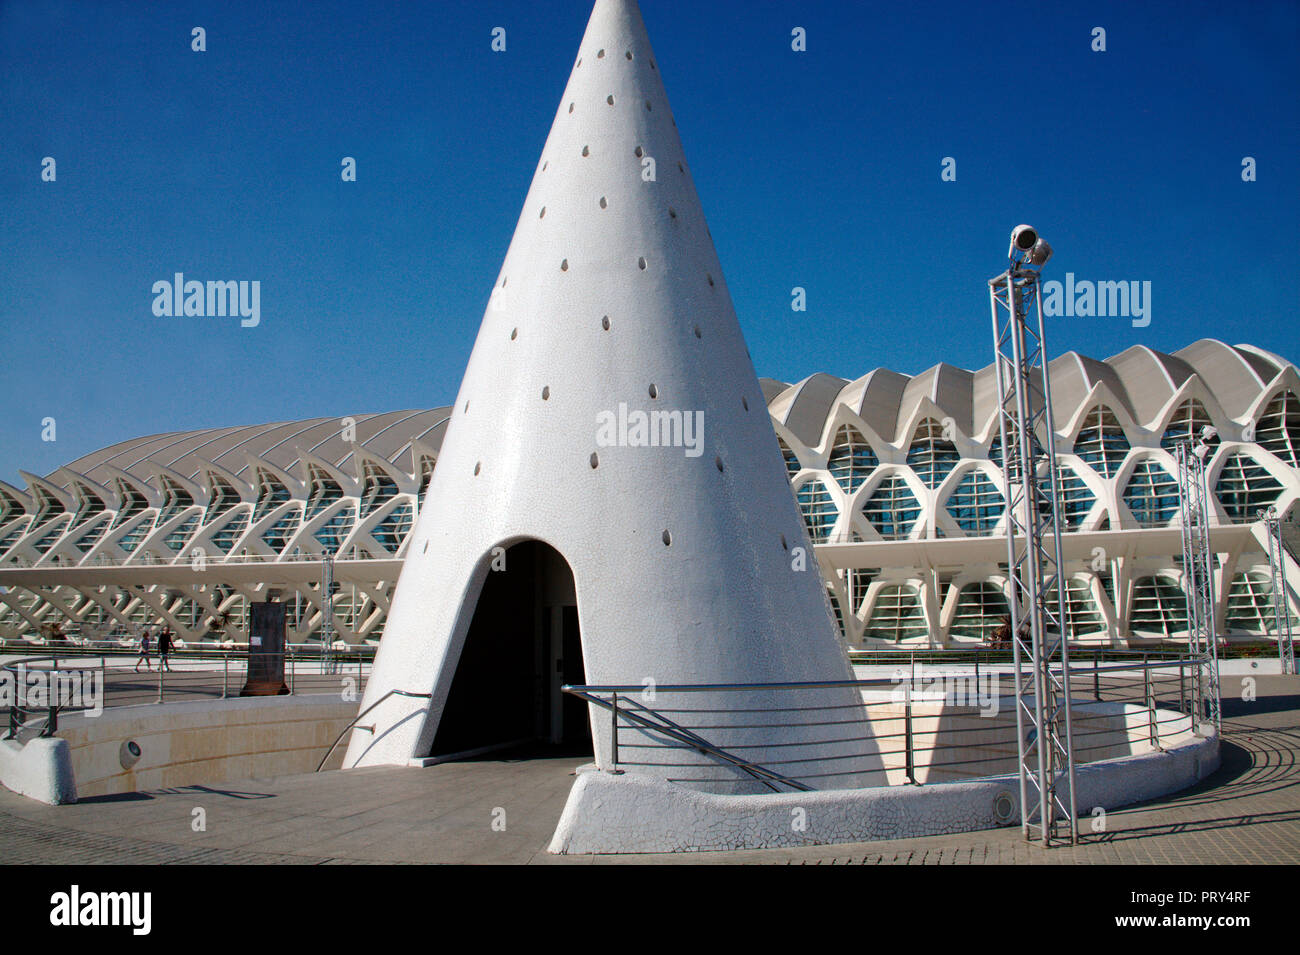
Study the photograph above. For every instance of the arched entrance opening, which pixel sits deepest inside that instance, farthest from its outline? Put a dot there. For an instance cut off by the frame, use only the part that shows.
(523, 644)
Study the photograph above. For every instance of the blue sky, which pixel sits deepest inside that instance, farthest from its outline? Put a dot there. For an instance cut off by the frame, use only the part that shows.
(818, 169)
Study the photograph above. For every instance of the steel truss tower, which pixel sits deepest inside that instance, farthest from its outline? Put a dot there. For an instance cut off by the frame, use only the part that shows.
(1277, 575)
(1040, 650)
(327, 613)
(1198, 568)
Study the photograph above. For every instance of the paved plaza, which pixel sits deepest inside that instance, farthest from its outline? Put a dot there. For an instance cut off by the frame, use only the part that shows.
(503, 810)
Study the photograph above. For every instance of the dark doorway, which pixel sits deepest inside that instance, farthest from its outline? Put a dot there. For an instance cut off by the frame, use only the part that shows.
(523, 644)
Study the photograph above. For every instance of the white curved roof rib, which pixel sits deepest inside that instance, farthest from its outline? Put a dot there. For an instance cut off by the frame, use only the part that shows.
(1277, 362)
(804, 407)
(1234, 376)
(876, 398)
(771, 388)
(186, 455)
(1150, 378)
(949, 388)
(1073, 377)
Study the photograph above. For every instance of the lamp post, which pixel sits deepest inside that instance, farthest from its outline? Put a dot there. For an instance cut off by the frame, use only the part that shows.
(1198, 568)
(1039, 637)
(1277, 576)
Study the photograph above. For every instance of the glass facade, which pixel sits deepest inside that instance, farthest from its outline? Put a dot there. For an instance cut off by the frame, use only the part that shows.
(278, 535)
(175, 500)
(976, 504)
(230, 532)
(1186, 425)
(1101, 443)
(851, 460)
(980, 611)
(892, 508)
(932, 456)
(1152, 494)
(222, 497)
(271, 493)
(379, 489)
(1159, 607)
(1082, 615)
(792, 466)
(1244, 488)
(324, 491)
(180, 535)
(334, 531)
(1278, 430)
(897, 614)
(1076, 501)
(138, 532)
(818, 508)
(391, 531)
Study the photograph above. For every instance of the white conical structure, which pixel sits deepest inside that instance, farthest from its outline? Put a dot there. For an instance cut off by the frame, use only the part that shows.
(684, 559)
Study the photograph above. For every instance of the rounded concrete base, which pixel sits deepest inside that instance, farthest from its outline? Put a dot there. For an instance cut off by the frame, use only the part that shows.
(40, 769)
(632, 812)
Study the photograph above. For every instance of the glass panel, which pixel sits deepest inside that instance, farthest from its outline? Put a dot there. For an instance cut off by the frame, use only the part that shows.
(931, 456)
(897, 614)
(976, 504)
(379, 489)
(1152, 494)
(1082, 615)
(225, 538)
(818, 508)
(1279, 428)
(851, 459)
(392, 530)
(1186, 425)
(980, 610)
(1245, 488)
(892, 508)
(1159, 607)
(1102, 443)
(334, 531)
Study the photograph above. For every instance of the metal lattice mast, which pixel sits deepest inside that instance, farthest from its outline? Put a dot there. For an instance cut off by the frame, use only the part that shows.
(1040, 649)
(1277, 575)
(1202, 642)
(327, 610)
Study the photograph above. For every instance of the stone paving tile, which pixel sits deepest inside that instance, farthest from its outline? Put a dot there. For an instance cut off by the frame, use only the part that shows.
(1248, 813)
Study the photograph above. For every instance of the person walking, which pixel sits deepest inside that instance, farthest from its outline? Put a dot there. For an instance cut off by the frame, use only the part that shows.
(164, 648)
(144, 653)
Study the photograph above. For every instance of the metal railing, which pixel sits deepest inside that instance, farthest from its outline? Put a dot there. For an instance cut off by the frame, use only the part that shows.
(183, 557)
(124, 678)
(353, 722)
(1124, 704)
(59, 686)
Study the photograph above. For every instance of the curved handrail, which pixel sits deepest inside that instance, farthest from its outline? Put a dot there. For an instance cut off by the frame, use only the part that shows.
(346, 729)
(21, 714)
(692, 739)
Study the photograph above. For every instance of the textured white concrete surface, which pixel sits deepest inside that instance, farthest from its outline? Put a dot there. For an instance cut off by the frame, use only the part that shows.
(40, 769)
(1256, 666)
(686, 565)
(204, 742)
(609, 813)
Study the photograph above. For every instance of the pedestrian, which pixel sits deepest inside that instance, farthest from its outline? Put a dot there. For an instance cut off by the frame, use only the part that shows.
(164, 648)
(144, 653)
